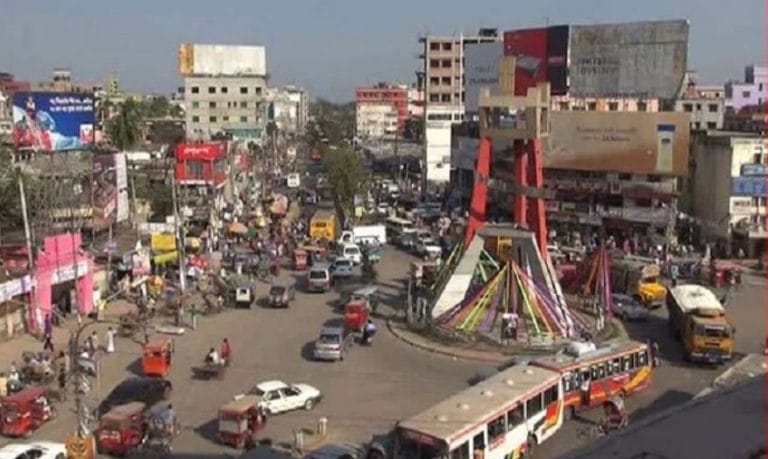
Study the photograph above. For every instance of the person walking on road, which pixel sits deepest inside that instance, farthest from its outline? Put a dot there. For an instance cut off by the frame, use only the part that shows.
(63, 384)
(110, 335)
(48, 343)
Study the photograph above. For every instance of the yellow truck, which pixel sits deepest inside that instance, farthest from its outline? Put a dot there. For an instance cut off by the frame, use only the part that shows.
(698, 319)
(324, 225)
(638, 277)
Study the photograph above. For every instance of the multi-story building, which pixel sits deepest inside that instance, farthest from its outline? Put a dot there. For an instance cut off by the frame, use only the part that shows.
(288, 108)
(706, 104)
(443, 71)
(728, 191)
(61, 81)
(381, 110)
(10, 85)
(300, 99)
(223, 104)
(604, 104)
(751, 92)
(415, 102)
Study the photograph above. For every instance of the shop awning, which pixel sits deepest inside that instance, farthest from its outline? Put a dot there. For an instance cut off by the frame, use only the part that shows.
(165, 258)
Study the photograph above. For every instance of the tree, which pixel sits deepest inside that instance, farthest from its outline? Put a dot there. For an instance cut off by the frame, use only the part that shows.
(414, 129)
(346, 177)
(124, 130)
(158, 107)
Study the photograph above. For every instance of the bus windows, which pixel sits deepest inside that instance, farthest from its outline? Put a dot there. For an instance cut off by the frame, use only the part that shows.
(642, 359)
(550, 395)
(628, 362)
(462, 452)
(533, 406)
(515, 417)
(496, 429)
(570, 382)
(478, 442)
(616, 364)
(601, 371)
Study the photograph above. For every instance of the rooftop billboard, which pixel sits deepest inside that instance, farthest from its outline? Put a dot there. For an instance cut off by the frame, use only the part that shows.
(641, 59)
(481, 70)
(53, 121)
(624, 142)
(227, 60)
(542, 56)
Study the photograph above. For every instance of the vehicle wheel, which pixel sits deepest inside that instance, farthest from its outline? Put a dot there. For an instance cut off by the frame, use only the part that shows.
(530, 446)
(60, 456)
(309, 404)
(268, 412)
(569, 413)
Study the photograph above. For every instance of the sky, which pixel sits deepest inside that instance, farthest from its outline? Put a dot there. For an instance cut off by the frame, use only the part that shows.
(331, 46)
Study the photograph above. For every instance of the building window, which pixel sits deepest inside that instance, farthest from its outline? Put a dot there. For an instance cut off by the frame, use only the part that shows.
(445, 98)
(697, 125)
(447, 46)
(687, 107)
(497, 428)
(225, 118)
(760, 87)
(533, 406)
(434, 63)
(194, 169)
(195, 90)
(212, 119)
(625, 176)
(434, 81)
(717, 95)
(434, 46)
(446, 63)
(711, 125)
(642, 107)
(592, 106)
(211, 90)
(211, 104)
(712, 108)
(243, 104)
(195, 104)
(757, 158)
(434, 98)
(243, 119)
(446, 81)
(258, 90)
(698, 107)
(243, 90)
(224, 90)
(745, 94)
(613, 106)
(195, 119)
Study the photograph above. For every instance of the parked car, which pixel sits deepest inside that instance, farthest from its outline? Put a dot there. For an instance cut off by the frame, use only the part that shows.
(279, 397)
(342, 268)
(627, 308)
(280, 296)
(37, 450)
(138, 389)
(351, 252)
(423, 243)
(333, 343)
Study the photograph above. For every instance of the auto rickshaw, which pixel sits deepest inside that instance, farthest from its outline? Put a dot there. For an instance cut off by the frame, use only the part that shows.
(615, 415)
(244, 297)
(356, 314)
(239, 420)
(300, 260)
(315, 253)
(372, 254)
(367, 294)
(25, 411)
(156, 357)
(162, 427)
(722, 273)
(122, 429)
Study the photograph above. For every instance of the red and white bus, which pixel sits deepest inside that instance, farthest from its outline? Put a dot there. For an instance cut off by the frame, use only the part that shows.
(592, 377)
(504, 416)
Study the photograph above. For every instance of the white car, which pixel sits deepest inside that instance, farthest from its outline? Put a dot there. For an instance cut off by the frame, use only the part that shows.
(424, 240)
(342, 268)
(38, 450)
(280, 397)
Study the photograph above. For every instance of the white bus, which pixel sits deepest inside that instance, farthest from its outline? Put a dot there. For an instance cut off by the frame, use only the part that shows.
(504, 416)
(397, 228)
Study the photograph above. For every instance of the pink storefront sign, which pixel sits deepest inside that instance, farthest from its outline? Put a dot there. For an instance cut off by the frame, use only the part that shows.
(61, 260)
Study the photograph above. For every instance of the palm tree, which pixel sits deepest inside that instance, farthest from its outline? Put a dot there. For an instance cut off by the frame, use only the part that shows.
(124, 130)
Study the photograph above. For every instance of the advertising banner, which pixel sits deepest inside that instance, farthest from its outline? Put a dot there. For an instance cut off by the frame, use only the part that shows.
(204, 151)
(121, 181)
(642, 59)
(557, 59)
(53, 121)
(104, 189)
(748, 186)
(228, 60)
(530, 48)
(626, 142)
(481, 70)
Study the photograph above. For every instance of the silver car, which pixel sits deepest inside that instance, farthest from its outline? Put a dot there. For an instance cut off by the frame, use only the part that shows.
(333, 343)
(627, 308)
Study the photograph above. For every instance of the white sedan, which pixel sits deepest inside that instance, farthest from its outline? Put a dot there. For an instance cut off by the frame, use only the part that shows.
(38, 450)
(280, 397)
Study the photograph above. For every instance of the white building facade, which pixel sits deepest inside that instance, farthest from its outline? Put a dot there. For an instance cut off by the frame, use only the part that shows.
(376, 120)
(751, 92)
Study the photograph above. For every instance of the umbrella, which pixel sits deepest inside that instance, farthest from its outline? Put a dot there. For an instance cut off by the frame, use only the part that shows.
(238, 228)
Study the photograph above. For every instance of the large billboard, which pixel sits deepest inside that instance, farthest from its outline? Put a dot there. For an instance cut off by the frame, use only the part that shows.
(481, 70)
(625, 142)
(542, 55)
(104, 189)
(53, 121)
(642, 59)
(228, 60)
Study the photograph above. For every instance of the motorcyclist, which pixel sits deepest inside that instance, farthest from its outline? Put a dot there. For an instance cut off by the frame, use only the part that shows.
(368, 331)
(13, 374)
(213, 357)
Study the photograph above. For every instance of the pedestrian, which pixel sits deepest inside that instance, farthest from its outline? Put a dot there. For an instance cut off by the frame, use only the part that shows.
(48, 343)
(110, 339)
(3, 385)
(63, 384)
(48, 325)
(94, 343)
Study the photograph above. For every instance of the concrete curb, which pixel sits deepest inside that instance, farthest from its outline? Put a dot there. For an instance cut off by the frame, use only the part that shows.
(447, 351)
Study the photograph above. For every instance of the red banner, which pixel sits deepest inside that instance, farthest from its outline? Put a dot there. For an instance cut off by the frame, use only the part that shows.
(205, 151)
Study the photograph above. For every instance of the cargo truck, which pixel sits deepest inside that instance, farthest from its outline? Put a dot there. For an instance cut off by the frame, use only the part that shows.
(640, 278)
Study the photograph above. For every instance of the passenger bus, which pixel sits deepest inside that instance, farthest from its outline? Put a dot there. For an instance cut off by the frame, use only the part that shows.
(594, 376)
(397, 228)
(504, 416)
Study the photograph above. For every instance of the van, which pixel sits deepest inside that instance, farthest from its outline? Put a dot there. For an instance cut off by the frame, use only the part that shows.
(319, 278)
(333, 342)
(352, 253)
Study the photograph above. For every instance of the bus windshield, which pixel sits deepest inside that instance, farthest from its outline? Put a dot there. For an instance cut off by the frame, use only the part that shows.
(412, 448)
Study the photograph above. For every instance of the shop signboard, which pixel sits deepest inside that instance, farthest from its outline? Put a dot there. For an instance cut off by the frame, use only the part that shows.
(121, 180)
(15, 287)
(222, 60)
(642, 59)
(104, 189)
(751, 170)
(70, 272)
(53, 121)
(481, 70)
(199, 151)
(542, 56)
(748, 186)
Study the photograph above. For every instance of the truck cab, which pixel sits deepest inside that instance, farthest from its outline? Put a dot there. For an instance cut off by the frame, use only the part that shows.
(639, 277)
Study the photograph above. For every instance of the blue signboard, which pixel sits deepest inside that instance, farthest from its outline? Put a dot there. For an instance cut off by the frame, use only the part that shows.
(752, 170)
(53, 121)
(748, 186)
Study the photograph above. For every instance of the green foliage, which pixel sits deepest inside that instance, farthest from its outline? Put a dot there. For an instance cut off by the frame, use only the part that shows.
(335, 122)
(156, 108)
(346, 176)
(124, 130)
(10, 196)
